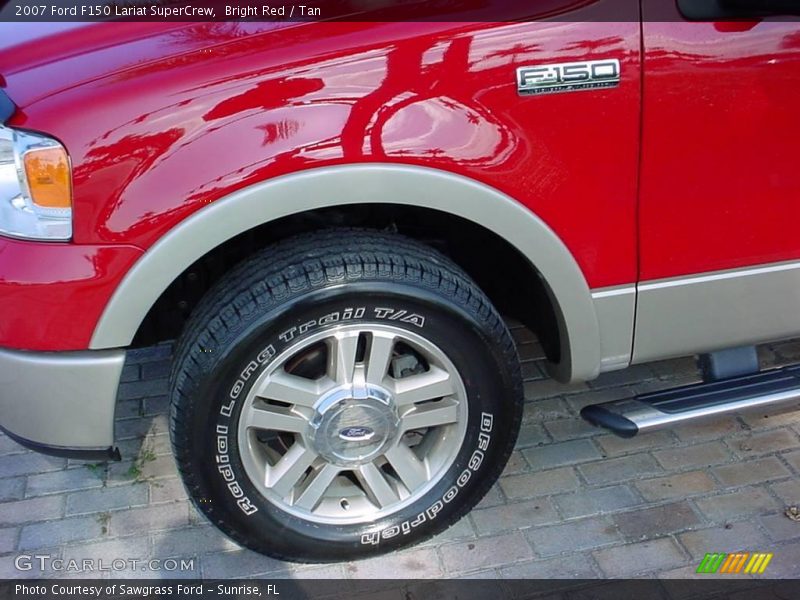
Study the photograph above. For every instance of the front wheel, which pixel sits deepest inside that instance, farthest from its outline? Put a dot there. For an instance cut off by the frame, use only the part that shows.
(343, 394)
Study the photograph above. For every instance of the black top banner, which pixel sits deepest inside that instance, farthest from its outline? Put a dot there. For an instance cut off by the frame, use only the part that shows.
(394, 10)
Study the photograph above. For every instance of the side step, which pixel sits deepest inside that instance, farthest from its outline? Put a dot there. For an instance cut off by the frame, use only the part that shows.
(656, 410)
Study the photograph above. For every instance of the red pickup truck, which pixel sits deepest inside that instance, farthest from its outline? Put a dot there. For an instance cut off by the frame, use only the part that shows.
(330, 218)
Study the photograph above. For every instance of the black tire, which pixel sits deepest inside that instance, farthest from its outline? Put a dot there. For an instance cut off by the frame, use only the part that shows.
(296, 282)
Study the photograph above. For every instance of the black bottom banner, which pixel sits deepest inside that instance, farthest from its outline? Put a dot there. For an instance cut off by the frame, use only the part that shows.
(387, 589)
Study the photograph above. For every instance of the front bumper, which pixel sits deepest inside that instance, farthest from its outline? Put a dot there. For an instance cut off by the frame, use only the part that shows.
(52, 294)
(61, 403)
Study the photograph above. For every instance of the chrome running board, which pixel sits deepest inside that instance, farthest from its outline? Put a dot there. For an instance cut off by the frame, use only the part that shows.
(657, 410)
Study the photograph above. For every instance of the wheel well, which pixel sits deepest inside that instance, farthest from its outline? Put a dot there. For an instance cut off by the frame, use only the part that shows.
(512, 283)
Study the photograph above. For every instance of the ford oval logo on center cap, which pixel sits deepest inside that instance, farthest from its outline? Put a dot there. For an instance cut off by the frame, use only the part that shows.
(356, 434)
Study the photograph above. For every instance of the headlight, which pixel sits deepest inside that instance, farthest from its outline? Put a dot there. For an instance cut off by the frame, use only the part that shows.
(35, 187)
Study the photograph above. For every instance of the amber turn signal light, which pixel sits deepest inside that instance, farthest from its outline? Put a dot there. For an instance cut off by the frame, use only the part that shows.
(49, 178)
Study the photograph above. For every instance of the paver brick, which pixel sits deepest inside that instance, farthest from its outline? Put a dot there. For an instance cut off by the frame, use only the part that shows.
(532, 434)
(531, 370)
(736, 504)
(577, 567)
(573, 536)
(61, 531)
(615, 470)
(142, 389)
(538, 410)
(517, 515)
(563, 453)
(761, 442)
(128, 409)
(104, 499)
(239, 563)
(678, 367)
(733, 537)
(151, 518)
(190, 541)
(614, 445)
(570, 428)
(327, 572)
(547, 388)
(78, 478)
(130, 373)
(12, 488)
(641, 557)
(793, 458)
(34, 509)
(516, 464)
(156, 369)
(132, 547)
(459, 531)
(788, 491)
(494, 497)
(8, 539)
(676, 486)
(155, 406)
(689, 457)
(783, 416)
(779, 527)
(29, 463)
(134, 428)
(657, 521)
(784, 564)
(542, 483)
(159, 467)
(9, 446)
(167, 490)
(751, 471)
(485, 552)
(590, 501)
(416, 563)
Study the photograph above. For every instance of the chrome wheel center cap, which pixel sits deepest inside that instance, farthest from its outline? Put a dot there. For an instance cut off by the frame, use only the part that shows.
(354, 424)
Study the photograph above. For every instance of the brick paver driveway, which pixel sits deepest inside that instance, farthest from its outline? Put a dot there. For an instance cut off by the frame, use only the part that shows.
(573, 502)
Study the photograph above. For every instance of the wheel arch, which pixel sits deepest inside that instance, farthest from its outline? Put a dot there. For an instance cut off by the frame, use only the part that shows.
(382, 184)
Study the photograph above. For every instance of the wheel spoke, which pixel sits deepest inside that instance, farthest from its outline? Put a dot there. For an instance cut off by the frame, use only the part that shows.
(435, 383)
(320, 481)
(409, 468)
(287, 472)
(380, 354)
(374, 482)
(275, 419)
(441, 413)
(292, 389)
(343, 348)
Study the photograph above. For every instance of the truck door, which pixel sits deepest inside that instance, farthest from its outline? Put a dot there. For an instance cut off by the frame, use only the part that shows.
(720, 183)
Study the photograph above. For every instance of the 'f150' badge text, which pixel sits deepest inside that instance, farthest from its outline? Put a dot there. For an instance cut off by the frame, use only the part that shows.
(568, 77)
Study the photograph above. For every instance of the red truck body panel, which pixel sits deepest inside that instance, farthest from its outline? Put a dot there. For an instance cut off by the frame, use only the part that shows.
(51, 295)
(720, 184)
(153, 139)
(162, 119)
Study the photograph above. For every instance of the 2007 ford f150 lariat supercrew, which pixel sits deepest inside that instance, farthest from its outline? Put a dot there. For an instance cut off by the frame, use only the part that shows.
(330, 218)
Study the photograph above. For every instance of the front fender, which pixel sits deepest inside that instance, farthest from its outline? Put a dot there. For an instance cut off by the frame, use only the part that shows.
(363, 184)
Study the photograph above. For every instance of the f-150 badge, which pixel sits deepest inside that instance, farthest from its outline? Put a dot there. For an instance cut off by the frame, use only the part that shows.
(568, 77)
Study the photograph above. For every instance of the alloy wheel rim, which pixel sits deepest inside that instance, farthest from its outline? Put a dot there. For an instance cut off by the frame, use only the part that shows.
(353, 423)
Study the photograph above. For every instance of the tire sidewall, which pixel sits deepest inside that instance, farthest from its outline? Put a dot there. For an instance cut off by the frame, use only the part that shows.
(226, 493)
